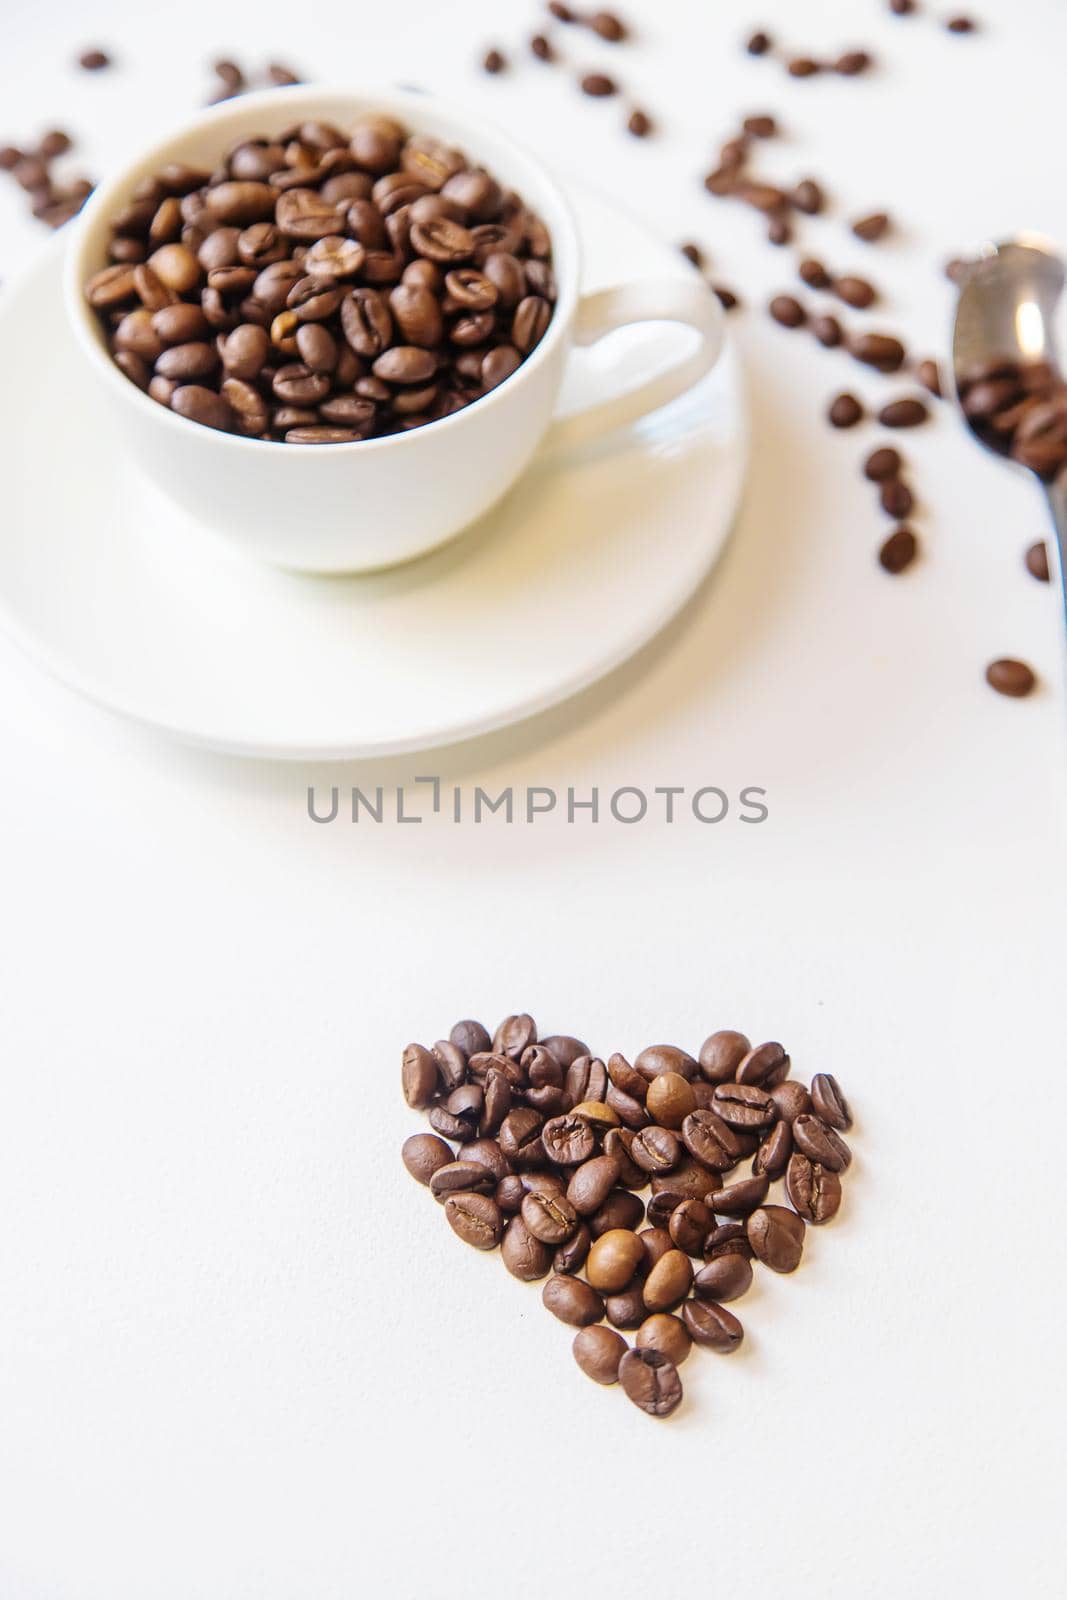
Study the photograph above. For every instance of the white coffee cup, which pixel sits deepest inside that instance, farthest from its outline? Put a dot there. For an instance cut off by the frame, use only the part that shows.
(353, 507)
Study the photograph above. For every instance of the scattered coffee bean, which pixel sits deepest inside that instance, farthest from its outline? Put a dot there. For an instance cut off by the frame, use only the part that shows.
(845, 411)
(542, 48)
(725, 1277)
(598, 85)
(476, 1219)
(1013, 678)
(712, 1326)
(494, 61)
(721, 1054)
(903, 8)
(855, 292)
(692, 253)
(608, 26)
(879, 350)
(739, 1199)
(667, 1334)
(651, 1381)
(828, 331)
(830, 1103)
(598, 1351)
(961, 25)
(871, 228)
(1037, 561)
(808, 197)
(908, 413)
(777, 1237)
(281, 75)
(94, 60)
(814, 274)
(774, 1151)
(882, 464)
(788, 311)
(899, 550)
(572, 1301)
(852, 63)
(814, 1191)
(803, 67)
(821, 1143)
(639, 124)
(896, 499)
(727, 298)
(779, 230)
(561, 12)
(929, 375)
(758, 43)
(760, 126)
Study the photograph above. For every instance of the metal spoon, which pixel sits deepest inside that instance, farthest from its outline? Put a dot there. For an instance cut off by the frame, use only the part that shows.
(1005, 312)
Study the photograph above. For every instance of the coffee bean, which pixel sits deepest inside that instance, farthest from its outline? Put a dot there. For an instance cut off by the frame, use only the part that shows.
(541, 48)
(621, 1210)
(94, 60)
(658, 1058)
(829, 1103)
(667, 1334)
(524, 1256)
(689, 1180)
(608, 26)
(281, 75)
(656, 1150)
(777, 1237)
(779, 230)
(808, 197)
(721, 1054)
(550, 1218)
(802, 67)
(898, 551)
(760, 126)
(788, 311)
(852, 63)
(814, 1191)
(758, 44)
(902, 8)
(882, 465)
(727, 298)
(711, 1141)
(476, 1219)
(598, 1351)
(568, 1140)
(520, 1137)
(855, 292)
(814, 274)
(186, 363)
(871, 228)
(598, 84)
(639, 124)
(650, 1379)
(586, 1079)
(197, 404)
(726, 1277)
(741, 1198)
(728, 1239)
(1037, 561)
(819, 1143)
(845, 411)
(626, 1310)
(487, 1153)
(791, 1099)
(1013, 678)
(744, 1107)
(494, 61)
(613, 1259)
(767, 1065)
(591, 1183)
(423, 1155)
(907, 413)
(570, 1257)
(878, 350)
(774, 1151)
(689, 1225)
(961, 25)
(572, 1300)
(828, 331)
(929, 375)
(670, 1099)
(896, 498)
(710, 1325)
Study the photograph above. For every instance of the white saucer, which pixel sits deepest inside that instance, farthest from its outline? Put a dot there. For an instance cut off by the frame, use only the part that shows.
(132, 604)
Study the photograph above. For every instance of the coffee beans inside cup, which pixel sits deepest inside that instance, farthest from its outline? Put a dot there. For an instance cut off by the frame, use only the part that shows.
(542, 1149)
(323, 286)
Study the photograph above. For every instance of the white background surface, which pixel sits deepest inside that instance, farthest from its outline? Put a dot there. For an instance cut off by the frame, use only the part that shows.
(241, 1358)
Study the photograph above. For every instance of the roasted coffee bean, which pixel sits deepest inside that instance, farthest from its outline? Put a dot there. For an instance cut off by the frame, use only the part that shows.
(871, 228)
(758, 44)
(621, 1209)
(656, 1149)
(777, 1237)
(744, 1107)
(774, 1152)
(657, 1058)
(568, 1140)
(600, 1117)
(598, 1351)
(639, 123)
(599, 85)
(515, 1035)
(828, 331)
(765, 1066)
(730, 1238)
(451, 1066)
(186, 363)
(814, 1191)
(296, 385)
(476, 1219)
(487, 1153)
(586, 1079)
(94, 60)
(572, 1300)
(629, 1110)
(136, 368)
(814, 274)
(625, 1310)
(788, 311)
(613, 1260)
(896, 499)
(248, 406)
(878, 350)
(779, 230)
(829, 1103)
(908, 413)
(882, 465)
(726, 1277)
(802, 67)
(617, 1142)
(520, 1138)
(524, 1256)
(727, 298)
(711, 1141)
(591, 1183)
(819, 1143)
(710, 1325)
(961, 25)
(1012, 678)
(547, 1183)
(668, 1282)
(471, 1038)
(739, 1199)
(550, 1218)
(855, 292)
(845, 411)
(442, 1121)
(667, 1334)
(650, 1379)
(424, 1154)
(570, 1257)
(627, 1078)
(532, 316)
(721, 1054)
(808, 197)
(541, 48)
(852, 63)
(137, 334)
(670, 1099)
(791, 1099)
(929, 375)
(197, 404)
(689, 1225)
(1037, 561)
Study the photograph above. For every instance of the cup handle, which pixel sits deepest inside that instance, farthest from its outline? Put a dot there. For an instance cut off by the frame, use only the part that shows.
(658, 300)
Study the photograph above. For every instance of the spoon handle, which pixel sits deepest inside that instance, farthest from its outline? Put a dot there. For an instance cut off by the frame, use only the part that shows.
(1057, 500)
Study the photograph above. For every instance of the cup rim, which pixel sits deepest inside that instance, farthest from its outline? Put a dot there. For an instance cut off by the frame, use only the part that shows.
(396, 101)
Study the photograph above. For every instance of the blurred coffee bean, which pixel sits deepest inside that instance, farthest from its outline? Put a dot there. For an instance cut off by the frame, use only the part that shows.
(1012, 678)
(907, 413)
(845, 411)
(1037, 561)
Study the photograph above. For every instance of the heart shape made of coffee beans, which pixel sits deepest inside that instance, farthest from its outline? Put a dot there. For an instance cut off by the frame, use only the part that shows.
(542, 1149)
